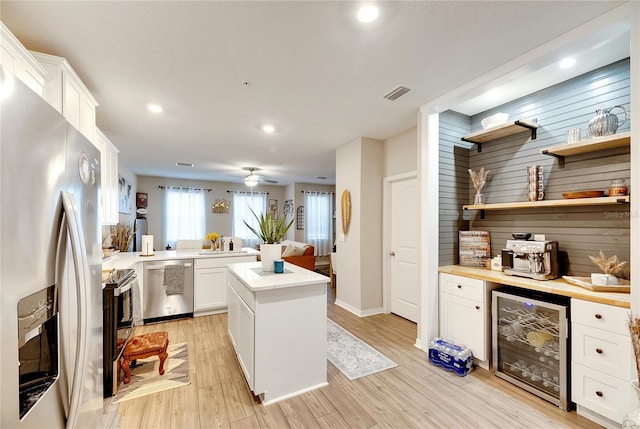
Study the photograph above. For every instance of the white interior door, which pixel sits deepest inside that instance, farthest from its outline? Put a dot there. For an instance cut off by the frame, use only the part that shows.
(403, 248)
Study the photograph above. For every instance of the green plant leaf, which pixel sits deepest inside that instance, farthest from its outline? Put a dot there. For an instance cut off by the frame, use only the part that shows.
(272, 228)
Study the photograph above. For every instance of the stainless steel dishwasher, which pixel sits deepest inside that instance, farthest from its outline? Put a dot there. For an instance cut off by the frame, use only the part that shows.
(168, 290)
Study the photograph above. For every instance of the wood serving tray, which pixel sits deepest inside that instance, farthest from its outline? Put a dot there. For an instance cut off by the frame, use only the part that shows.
(585, 282)
(583, 194)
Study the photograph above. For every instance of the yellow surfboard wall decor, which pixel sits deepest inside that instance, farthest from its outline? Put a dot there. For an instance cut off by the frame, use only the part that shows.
(346, 211)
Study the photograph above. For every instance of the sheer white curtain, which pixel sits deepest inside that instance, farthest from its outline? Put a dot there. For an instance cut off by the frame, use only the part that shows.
(243, 203)
(184, 212)
(318, 228)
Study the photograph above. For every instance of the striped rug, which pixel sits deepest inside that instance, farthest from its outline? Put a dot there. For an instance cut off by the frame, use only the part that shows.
(146, 380)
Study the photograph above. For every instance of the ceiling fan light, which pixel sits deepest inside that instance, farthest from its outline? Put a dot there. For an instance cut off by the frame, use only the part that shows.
(250, 181)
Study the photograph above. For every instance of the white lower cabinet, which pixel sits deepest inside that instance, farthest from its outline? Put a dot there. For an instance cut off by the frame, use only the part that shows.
(210, 280)
(602, 363)
(241, 328)
(465, 314)
(279, 337)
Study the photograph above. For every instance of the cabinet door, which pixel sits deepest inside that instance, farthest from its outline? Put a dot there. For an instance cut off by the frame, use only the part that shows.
(463, 321)
(232, 316)
(109, 176)
(245, 341)
(71, 96)
(210, 288)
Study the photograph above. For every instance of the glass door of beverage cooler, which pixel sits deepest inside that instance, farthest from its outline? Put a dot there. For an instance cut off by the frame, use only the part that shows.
(530, 343)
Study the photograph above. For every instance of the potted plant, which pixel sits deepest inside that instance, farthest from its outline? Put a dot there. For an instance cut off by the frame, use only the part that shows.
(609, 266)
(272, 227)
(212, 237)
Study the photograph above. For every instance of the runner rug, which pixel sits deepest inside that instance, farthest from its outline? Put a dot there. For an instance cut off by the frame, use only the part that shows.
(352, 356)
(146, 380)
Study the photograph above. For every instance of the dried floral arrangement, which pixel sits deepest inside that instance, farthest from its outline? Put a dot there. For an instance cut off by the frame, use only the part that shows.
(122, 235)
(634, 330)
(610, 265)
(479, 179)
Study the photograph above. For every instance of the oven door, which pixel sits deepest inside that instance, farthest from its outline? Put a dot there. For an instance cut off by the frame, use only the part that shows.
(123, 314)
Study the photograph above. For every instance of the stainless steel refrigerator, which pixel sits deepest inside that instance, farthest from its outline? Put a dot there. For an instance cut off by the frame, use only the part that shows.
(50, 267)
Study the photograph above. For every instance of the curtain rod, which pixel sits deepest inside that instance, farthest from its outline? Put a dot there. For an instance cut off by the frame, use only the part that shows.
(318, 192)
(182, 187)
(246, 192)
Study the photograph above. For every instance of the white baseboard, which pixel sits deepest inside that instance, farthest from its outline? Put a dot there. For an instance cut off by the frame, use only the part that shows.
(595, 417)
(357, 311)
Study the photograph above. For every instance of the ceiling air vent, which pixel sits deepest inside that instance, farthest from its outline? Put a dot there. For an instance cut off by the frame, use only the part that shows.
(396, 93)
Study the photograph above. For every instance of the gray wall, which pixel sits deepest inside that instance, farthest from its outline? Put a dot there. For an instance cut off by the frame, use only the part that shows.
(454, 183)
(580, 231)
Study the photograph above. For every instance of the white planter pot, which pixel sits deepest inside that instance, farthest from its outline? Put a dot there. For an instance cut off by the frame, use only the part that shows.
(600, 279)
(268, 254)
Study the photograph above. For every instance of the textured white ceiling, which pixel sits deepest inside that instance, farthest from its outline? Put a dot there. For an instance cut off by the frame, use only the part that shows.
(314, 71)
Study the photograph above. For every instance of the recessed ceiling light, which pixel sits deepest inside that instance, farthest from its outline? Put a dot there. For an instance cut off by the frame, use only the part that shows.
(268, 128)
(567, 63)
(367, 13)
(155, 108)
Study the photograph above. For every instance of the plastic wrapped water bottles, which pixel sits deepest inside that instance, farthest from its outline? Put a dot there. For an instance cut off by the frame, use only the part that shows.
(450, 356)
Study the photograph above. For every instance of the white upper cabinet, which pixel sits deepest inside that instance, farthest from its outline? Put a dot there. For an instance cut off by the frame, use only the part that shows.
(17, 59)
(109, 176)
(66, 92)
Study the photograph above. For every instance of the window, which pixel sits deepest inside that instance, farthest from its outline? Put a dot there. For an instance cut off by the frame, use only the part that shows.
(318, 210)
(184, 214)
(243, 203)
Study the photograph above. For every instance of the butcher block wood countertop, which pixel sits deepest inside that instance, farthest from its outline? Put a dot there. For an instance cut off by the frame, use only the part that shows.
(558, 286)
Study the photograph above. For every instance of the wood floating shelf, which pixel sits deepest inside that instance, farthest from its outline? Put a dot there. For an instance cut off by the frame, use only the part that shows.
(499, 131)
(573, 202)
(586, 146)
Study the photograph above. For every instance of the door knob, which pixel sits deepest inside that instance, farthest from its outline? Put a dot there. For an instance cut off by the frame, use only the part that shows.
(392, 253)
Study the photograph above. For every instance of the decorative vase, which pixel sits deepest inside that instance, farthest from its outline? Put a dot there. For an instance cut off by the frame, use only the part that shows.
(213, 244)
(632, 418)
(268, 254)
(479, 198)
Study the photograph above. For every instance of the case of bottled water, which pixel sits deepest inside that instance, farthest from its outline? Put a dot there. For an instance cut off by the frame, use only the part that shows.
(451, 356)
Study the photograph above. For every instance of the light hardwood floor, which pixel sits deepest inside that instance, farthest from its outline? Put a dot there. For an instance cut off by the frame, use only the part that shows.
(415, 394)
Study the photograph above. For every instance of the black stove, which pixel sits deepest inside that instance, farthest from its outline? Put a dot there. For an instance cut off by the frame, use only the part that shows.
(118, 277)
(117, 303)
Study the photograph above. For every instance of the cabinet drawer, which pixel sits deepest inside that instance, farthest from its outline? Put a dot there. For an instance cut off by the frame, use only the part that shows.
(602, 316)
(462, 286)
(211, 263)
(221, 262)
(243, 292)
(601, 393)
(602, 350)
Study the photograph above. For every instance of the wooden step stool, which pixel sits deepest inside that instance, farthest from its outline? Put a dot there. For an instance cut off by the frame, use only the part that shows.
(144, 346)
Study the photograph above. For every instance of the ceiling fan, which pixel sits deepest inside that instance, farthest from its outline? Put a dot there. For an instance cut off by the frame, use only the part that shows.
(253, 179)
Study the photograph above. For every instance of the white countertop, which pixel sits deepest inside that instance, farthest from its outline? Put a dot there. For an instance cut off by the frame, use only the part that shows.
(124, 260)
(251, 274)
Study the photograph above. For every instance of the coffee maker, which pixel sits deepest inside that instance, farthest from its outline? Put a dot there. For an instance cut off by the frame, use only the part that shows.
(534, 259)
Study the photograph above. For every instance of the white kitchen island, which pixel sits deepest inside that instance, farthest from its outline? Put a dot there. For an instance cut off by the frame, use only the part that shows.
(278, 327)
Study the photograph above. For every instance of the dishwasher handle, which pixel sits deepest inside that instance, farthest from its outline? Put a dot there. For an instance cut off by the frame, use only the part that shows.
(161, 267)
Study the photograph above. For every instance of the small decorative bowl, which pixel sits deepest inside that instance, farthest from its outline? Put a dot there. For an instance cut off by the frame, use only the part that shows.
(521, 235)
(494, 120)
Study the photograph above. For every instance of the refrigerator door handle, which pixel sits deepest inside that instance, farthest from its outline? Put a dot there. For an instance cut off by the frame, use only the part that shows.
(61, 251)
(72, 224)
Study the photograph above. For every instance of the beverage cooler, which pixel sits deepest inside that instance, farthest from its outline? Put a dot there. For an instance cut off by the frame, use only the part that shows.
(531, 342)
